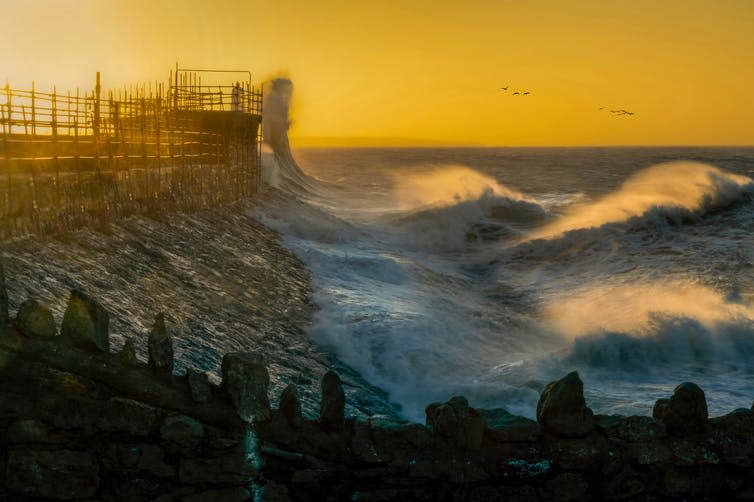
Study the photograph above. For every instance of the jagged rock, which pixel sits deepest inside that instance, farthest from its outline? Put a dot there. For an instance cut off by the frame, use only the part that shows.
(160, 346)
(561, 409)
(458, 422)
(35, 320)
(4, 315)
(333, 400)
(685, 413)
(85, 323)
(505, 427)
(127, 355)
(60, 474)
(565, 488)
(290, 406)
(201, 392)
(182, 431)
(274, 492)
(126, 415)
(246, 380)
(633, 429)
(30, 430)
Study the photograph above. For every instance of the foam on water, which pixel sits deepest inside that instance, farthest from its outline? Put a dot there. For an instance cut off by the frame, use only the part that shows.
(446, 280)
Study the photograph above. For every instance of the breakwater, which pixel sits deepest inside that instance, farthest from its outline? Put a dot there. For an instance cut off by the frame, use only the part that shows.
(72, 159)
(78, 421)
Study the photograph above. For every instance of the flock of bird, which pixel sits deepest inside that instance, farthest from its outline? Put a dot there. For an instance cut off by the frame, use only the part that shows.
(526, 93)
(516, 93)
(620, 112)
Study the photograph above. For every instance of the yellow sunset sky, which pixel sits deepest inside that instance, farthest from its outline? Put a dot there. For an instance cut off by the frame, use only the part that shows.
(425, 72)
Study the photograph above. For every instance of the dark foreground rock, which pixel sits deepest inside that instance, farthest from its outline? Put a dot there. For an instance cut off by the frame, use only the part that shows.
(80, 423)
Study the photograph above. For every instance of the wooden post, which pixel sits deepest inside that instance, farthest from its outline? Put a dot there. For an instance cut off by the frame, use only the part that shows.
(97, 91)
(55, 160)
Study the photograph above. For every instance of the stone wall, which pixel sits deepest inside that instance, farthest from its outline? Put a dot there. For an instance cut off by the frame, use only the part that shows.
(80, 422)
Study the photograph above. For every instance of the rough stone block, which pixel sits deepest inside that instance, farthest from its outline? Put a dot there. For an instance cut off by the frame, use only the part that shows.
(561, 409)
(160, 345)
(201, 391)
(182, 431)
(246, 381)
(86, 323)
(333, 400)
(35, 320)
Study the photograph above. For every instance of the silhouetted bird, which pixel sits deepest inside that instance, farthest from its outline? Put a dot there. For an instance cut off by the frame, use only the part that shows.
(515, 93)
(526, 93)
(505, 88)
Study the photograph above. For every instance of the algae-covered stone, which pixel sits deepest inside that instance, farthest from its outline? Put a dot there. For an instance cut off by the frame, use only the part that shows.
(333, 400)
(246, 381)
(160, 346)
(561, 409)
(86, 323)
(35, 320)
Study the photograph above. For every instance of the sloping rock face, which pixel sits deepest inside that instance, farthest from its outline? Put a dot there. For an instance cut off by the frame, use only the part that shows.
(562, 410)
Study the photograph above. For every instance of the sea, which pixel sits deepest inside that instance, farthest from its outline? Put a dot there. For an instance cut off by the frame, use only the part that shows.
(489, 272)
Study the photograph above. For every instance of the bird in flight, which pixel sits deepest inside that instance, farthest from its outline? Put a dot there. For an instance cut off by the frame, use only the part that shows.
(515, 93)
(527, 93)
(620, 112)
(505, 88)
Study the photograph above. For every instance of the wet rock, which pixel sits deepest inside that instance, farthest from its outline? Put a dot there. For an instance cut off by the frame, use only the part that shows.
(85, 323)
(201, 391)
(458, 422)
(561, 409)
(505, 427)
(30, 430)
(625, 485)
(182, 431)
(35, 320)
(274, 492)
(61, 474)
(4, 315)
(333, 400)
(127, 355)
(685, 413)
(160, 345)
(246, 381)
(635, 429)
(290, 406)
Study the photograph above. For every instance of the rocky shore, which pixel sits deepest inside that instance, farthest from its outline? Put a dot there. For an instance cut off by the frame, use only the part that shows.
(79, 421)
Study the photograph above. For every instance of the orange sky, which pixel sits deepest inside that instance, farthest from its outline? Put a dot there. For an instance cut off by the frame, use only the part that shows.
(426, 71)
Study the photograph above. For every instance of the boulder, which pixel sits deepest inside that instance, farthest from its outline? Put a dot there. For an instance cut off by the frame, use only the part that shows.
(456, 421)
(85, 323)
(246, 381)
(504, 427)
(127, 355)
(333, 401)
(685, 413)
(290, 406)
(4, 315)
(561, 409)
(35, 320)
(182, 431)
(201, 392)
(160, 346)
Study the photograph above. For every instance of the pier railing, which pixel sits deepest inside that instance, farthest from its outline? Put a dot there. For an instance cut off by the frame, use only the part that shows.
(70, 158)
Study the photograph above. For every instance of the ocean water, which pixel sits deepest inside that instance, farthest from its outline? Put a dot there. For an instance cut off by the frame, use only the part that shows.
(488, 272)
